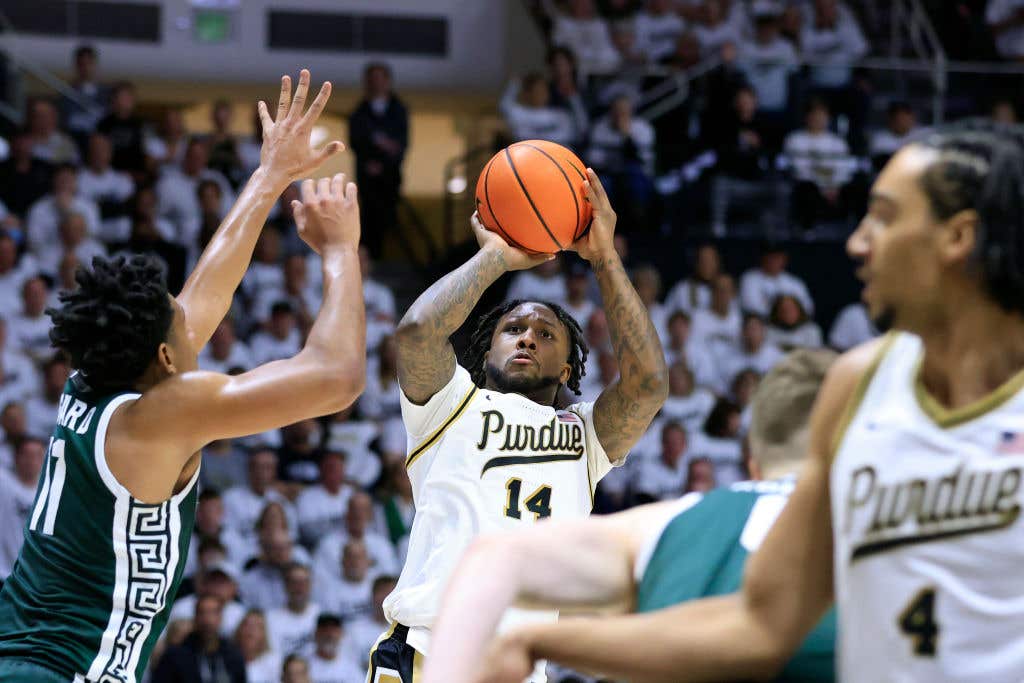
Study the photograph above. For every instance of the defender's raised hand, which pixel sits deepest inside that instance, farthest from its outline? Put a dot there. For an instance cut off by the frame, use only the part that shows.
(328, 215)
(512, 258)
(286, 150)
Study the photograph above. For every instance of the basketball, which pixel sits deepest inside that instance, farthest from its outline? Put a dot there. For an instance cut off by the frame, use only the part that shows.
(531, 193)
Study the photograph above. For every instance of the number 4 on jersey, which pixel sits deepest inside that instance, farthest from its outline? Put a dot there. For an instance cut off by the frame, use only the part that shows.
(918, 621)
(539, 502)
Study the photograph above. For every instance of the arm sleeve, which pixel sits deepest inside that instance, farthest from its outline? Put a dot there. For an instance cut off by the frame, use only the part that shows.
(421, 421)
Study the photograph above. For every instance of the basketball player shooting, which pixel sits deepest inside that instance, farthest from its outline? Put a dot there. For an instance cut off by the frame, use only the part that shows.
(907, 512)
(488, 449)
(108, 535)
(641, 560)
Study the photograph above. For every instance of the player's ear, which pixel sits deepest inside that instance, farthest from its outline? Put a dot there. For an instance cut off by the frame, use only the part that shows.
(165, 359)
(959, 236)
(565, 374)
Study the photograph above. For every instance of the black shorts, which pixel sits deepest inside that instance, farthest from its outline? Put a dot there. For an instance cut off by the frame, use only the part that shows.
(392, 660)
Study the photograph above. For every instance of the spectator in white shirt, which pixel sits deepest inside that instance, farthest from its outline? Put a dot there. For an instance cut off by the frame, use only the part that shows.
(362, 631)
(900, 128)
(622, 152)
(29, 331)
(218, 582)
(381, 399)
(282, 337)
(262, 664)
(143, 210)
(18, 375)
(348, 590)
(17, 493)
(759, 287)
(353, 437)
(74, 241)
(262, 584)
(80, 115)
(327, 663)
(321, 507)
(823, 169)
(41, 411)
(576, 302)
(658, 28)
(687, 404)
(599, 341)
(44, 217)
(694, 292)
(265, 271)
(789, 326)
(683, 347)
(178, 200)
(700, 476)
(832, 36)
(544, 282)
(209, 527)
(586, 34)
(1005, 19)
(647, 283)
(304, 299)
(754, 352)
(714, 30)
(48, 142)
(662, 478)
(768, 61)
(243, 505)
(13, 428)
(720, 444)
(359, 526)
(378, 300)
(526, 107)
(167, 148)
(853, 326)
(295, 669)
(225, 352)
(721, 322)
(109, 189)
(291, 626)
(14, 271)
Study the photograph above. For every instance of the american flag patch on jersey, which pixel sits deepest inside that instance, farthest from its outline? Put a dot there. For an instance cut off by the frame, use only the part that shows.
(1011, 443)
(568, 416)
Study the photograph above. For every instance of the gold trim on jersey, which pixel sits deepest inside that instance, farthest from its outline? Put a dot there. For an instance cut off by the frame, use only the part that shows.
(432, 439)
(853, 403)
(947, 418)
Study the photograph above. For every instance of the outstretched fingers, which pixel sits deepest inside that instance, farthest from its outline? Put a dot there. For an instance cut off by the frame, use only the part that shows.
(318, 105)
(284, 100)
(300, 95)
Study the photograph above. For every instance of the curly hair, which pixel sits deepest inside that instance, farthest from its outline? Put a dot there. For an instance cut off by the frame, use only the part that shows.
(980, 166)
(480, 342)
(112, 324)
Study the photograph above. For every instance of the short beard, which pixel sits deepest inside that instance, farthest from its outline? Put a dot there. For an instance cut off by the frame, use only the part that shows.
(518, 385)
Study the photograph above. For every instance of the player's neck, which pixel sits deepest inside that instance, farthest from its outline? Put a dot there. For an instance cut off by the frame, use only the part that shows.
(970, 352)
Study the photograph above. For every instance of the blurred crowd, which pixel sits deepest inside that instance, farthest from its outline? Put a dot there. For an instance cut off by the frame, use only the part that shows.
(300, 532)
(753, 110)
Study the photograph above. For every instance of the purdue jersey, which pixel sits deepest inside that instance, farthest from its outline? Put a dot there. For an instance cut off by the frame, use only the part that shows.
(483, 461)
(91, 590)
(700, 549)
(928, 541)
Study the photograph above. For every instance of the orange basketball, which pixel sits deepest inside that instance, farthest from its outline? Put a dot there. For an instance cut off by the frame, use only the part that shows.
(531, 193)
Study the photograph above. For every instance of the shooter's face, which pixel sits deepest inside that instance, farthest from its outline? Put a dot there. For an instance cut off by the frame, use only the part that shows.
(529, 350)
(903, 249)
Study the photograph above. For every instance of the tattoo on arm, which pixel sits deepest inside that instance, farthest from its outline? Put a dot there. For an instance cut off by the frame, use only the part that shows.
(426, 360)
(625, 409)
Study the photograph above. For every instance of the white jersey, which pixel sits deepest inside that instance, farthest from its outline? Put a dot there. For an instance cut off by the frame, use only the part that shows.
(928, 541)
(484, 461)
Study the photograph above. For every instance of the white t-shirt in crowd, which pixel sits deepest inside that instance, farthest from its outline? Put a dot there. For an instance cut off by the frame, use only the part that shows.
(239, 356)
(231, 615)
(345, 598)
(690, 411)
(266, 347)
(337, 670)
(290, 632)
(733, 360)
(806, 336)
(725, 454)
(767, 68)
(758, 290)
(821, 158)
(264, 669)
(320, 512)
(533, 287)
(655, 478)
(708, 328)
(327, 558)
(15, 505)
(1010, 43)
(591, 42)
(852, 327)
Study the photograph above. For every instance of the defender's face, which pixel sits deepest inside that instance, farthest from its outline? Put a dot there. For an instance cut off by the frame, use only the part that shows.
(530, 344)
(897, 241)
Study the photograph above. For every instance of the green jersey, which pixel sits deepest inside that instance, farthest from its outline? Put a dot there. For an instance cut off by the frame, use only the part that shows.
(702, 550)
(92, 588)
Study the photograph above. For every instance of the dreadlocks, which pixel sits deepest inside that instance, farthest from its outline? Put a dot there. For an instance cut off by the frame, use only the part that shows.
(480, 342)
(113, 322)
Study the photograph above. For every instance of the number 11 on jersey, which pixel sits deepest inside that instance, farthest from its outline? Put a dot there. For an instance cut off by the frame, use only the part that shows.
(53, 486)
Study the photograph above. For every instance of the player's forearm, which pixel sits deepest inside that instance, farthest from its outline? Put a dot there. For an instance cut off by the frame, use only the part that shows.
(338, 335)
(642, 370)
(208, 293)
(707, 640)
(442, 309)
